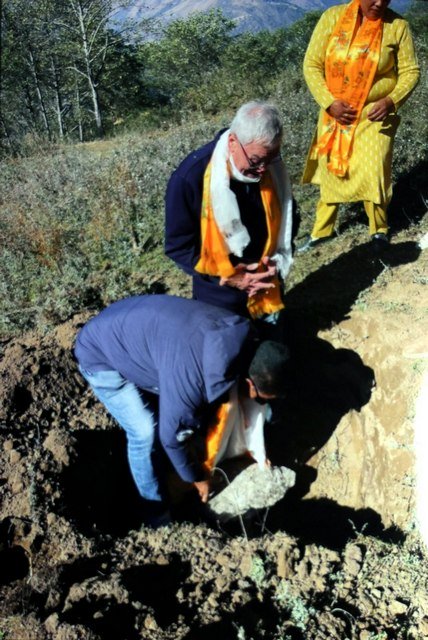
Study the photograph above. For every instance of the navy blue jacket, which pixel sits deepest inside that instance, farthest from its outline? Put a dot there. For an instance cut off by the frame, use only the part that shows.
(187, 352)
(183, 233)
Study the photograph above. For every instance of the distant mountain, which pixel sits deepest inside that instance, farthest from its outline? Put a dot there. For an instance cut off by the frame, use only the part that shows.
(250, 15)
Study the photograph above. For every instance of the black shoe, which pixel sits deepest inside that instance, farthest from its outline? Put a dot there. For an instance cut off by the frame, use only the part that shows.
(155, 515)
(380, 238)
(311, 243)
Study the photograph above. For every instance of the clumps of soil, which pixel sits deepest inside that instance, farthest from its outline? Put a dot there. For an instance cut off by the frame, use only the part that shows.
(76, 564)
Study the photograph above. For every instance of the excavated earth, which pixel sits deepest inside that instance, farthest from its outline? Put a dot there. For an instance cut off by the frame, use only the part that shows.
(339, 557)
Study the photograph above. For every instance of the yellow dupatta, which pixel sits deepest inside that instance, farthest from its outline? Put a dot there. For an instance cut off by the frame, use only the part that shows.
(350, 66)
(214, 259)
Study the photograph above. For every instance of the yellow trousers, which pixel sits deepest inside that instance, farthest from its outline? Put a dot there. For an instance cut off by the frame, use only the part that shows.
(326, 214)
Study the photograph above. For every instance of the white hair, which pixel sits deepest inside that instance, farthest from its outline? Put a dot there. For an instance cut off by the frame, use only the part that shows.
(257, 121)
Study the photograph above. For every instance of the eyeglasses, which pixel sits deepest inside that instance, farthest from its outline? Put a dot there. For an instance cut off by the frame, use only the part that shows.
(260, 399)
(258, 164)
(266, 398)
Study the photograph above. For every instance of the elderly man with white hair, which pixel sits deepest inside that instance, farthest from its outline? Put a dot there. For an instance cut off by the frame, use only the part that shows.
(229, 216)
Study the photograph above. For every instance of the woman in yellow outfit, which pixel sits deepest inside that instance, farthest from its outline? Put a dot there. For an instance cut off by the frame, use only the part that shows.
(360, 67)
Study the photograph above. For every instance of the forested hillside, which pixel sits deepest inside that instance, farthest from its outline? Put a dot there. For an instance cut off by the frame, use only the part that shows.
(70, 73)
(76, 70)
(82, 224)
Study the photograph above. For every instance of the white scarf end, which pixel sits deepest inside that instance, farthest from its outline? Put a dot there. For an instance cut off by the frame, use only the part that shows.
(238, 240)
(283, 264)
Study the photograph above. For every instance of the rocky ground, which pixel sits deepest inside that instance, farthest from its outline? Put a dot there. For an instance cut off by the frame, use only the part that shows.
(338, 558)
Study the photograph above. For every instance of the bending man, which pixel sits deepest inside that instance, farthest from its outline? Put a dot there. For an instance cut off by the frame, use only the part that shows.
(163, 366)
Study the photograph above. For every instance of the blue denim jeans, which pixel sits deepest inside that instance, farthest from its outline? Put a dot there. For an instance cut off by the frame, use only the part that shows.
(136, 412)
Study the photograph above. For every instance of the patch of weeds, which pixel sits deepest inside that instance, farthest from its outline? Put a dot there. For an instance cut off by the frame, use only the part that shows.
(281, 637)
(332, 460)
(258, 572)
(240, 633)
(361, 302)
(411, 560)
(338, 576)
(299, 612)
(412, 528)
(420, 279)
(361, 305)
(402, 446)
(395, 307)
(409, 480)
(419, 366)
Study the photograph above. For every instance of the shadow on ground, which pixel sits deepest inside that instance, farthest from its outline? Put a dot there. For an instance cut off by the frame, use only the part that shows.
(409, 202)
(98, 492)
(260, 619)
(326, 295)
(324, 522)
(326, 384)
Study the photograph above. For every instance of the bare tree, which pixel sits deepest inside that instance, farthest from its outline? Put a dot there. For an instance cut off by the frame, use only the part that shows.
(32, 64)
(59, 102)
(88, 22)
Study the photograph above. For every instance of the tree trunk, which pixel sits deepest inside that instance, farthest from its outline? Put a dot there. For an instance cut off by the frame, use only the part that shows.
(32, 119)
(6, 136)
(43, 112)
(79, 113)
(58, 99)
(89, 74)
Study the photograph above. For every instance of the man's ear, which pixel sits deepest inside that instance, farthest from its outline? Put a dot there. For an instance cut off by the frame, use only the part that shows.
(252, 391)
(232, 140)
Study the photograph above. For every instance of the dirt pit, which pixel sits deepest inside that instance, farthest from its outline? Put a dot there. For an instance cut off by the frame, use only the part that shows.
(340, 557)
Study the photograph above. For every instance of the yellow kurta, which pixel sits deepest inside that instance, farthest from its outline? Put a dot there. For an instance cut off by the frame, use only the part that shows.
(369, 173)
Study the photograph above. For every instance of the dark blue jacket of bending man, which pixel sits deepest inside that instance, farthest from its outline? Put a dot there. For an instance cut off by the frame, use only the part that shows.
(185, 351)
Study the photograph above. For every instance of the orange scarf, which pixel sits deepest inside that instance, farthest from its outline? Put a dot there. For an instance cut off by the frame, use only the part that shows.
(351, 61)
(215, 261)
(215, 434)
